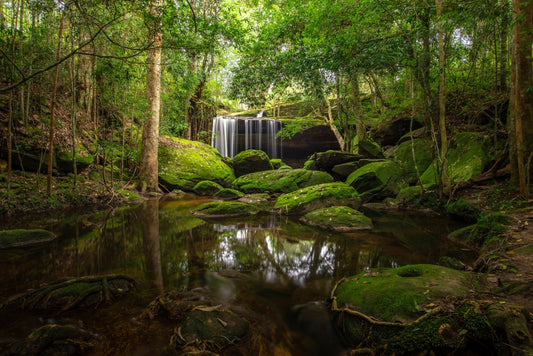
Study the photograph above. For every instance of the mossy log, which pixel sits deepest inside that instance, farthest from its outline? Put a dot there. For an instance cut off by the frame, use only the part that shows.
(70, 293)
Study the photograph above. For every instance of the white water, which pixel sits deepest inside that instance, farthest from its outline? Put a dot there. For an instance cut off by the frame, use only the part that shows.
(255, 133)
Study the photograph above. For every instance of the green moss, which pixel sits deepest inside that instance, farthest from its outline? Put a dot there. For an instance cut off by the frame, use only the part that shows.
(207, 187)
(64, 159)
(229, 194)
(23, 237)
(403, 155)
(338, 218)
(184, 163)
(280, 181)
(464, 210)
(224, 209)
(291, 126)
(370, 148)
(489, 228)
(316, 197)
(277, 163)
(130, 195)
(377, 180)
(251, 161)
(395, 294)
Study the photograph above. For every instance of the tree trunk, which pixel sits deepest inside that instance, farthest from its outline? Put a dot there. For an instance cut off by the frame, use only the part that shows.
(148, 173)
(52, 109)
(445, 179)
(334, 128)
(357, 108)
(522, 96)
(73, 113)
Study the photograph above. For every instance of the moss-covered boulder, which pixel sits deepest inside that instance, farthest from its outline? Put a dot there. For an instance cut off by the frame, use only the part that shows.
(425, 308)
(316, 197)
(325, 161)
(65, 159)
(464, 210)
(489, 228)
(229, 194)
(370, 149)
(224, 209)
(338, 218)
(23, 237)
(277, 163)
(207, 188)
(55, 339)
(251, 161)
(184, 163)
(468, 156)
(377, 180)
(403, 155)
(343, 171)
(71, 293)
(213, 329)
(280, 181)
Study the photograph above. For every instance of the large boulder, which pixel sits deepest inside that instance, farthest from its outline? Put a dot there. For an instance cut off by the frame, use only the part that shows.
(423, 152)
(370, 149)
(280, 181)
(338, 219)
(468, 156)
(325, 161)
(184, 163)
(425, 308)
(316, 197)
(377, 180)
(343, 171)
(224, 209)
(251, 161)
(389, 131)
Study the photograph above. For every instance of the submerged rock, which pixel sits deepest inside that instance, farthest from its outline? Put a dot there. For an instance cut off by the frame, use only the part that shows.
(184, 163)
(280, 181)
(377, 180)
(224, 209)
(23, 237)
(55, 340)
(338, 218)
(316, 197)
(251, 161)
(66, 294)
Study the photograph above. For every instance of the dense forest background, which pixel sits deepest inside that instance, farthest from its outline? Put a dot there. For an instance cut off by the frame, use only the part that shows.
(100, 77)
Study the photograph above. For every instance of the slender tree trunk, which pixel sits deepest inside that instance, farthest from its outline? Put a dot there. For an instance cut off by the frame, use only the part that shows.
(334, 128)
(148, 174)
(73, 113)
(442, 104)
(357, 108)
(504, 28)
(522, 96)
(52, 109)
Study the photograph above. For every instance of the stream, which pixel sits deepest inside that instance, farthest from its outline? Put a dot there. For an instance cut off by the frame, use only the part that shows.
(268, 262)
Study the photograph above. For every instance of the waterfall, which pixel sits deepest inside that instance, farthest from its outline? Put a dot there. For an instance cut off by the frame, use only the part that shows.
(232, 135)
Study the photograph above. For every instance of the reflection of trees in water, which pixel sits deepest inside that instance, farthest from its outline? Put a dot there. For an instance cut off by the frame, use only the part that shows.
(152, 252)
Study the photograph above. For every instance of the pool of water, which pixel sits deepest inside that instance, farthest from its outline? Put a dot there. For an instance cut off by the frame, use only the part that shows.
(269, 262)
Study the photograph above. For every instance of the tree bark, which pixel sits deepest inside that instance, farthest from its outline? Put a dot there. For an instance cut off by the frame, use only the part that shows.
(52, 109)
(445, 179)
(357, 108)
(148, 173)
(522, 96)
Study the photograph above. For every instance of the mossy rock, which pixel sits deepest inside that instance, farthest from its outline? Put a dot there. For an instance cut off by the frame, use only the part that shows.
(207, 188)
(22, 237)
(229, 194)
(65, 160)
(490, 227)
(130, 195)
(55, 340)
(343, 171)
(369, 149)
(277, 163)
(464, 210)
(258, 198)
(468, 156)
(213, 329)
(325, 161)
(280, 181)
(403, 155)
(377, 180)
(338, 218)
(316, 197)
(224, 209)
(251, 161)
(70, 293)
(184, 163)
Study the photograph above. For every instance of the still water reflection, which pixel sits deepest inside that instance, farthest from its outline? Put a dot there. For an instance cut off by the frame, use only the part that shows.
(163, 247)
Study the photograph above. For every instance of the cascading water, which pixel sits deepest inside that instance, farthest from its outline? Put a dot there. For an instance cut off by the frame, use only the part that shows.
(232, 135)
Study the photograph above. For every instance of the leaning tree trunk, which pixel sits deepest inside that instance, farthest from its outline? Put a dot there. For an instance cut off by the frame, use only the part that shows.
(521, 94)
(150, 138)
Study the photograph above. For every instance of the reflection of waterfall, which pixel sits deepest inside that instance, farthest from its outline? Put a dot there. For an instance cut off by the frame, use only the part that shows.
(232, 135)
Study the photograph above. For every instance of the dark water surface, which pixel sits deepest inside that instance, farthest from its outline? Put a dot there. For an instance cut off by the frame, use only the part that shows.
(267, 261)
